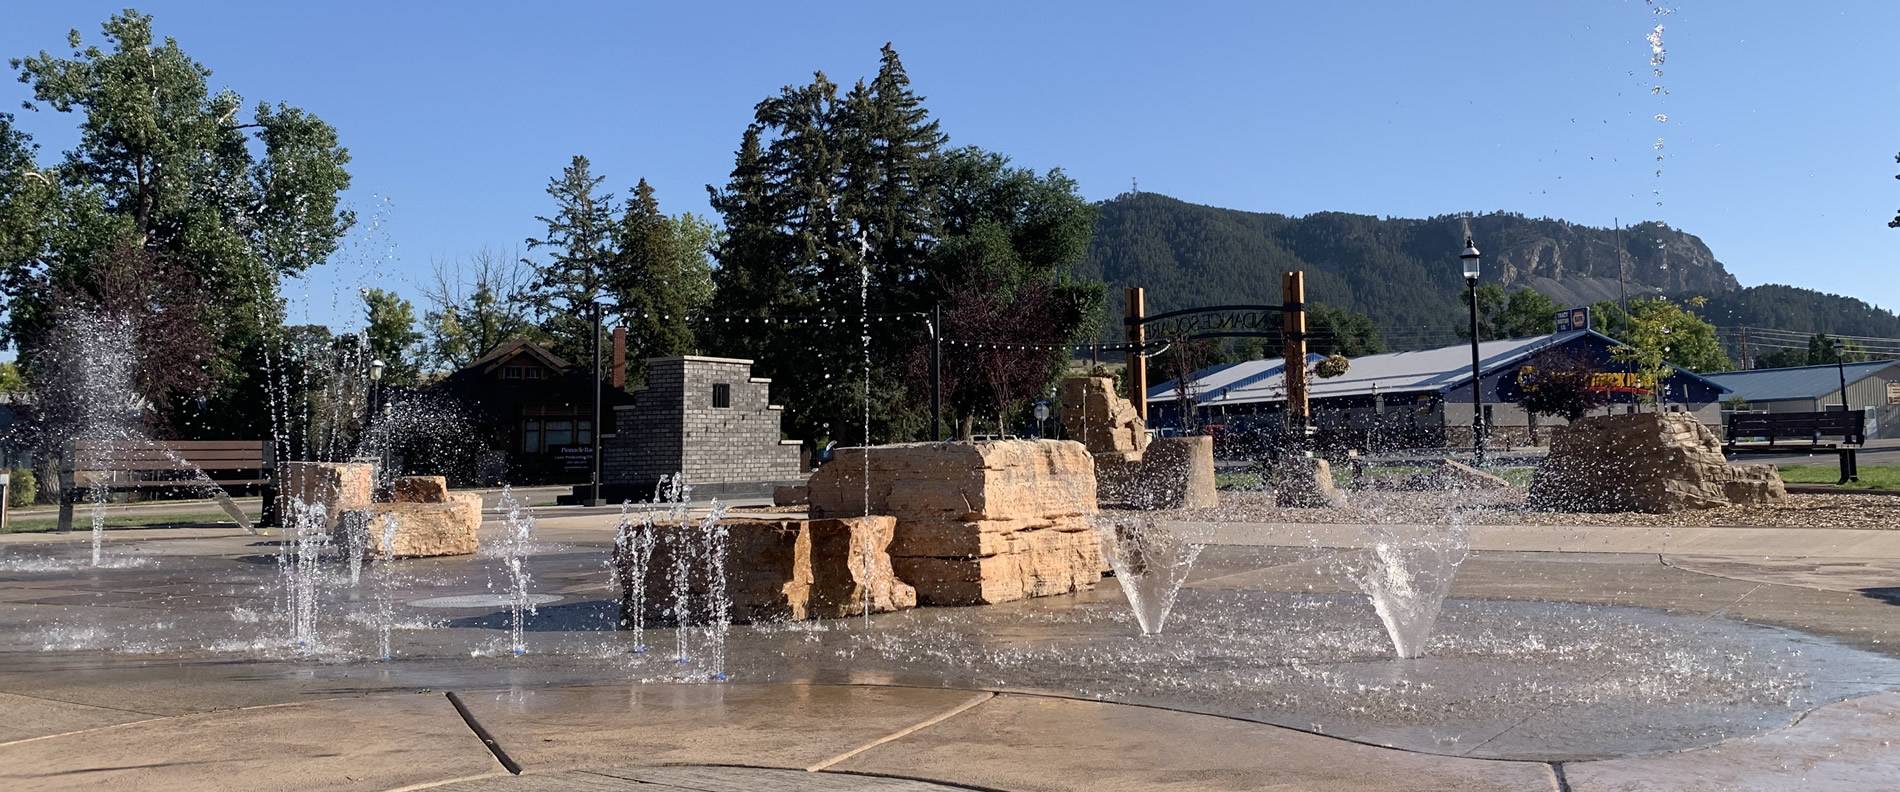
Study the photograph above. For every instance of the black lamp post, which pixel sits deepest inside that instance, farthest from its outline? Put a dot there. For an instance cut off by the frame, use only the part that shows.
(1840, 367)
(1470, 260)
(375, 384)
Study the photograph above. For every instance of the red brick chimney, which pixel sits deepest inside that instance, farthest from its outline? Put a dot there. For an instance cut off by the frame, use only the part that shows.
(619, 375)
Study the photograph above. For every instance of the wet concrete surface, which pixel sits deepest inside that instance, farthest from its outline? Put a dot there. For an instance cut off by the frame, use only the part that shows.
(1561, 657)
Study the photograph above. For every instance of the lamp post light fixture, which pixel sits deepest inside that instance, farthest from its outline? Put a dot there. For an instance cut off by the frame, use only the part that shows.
(376, 368)
(1469, 257)
(1840, 367)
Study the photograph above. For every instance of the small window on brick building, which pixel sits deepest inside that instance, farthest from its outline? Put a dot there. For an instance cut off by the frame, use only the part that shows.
(722, 395)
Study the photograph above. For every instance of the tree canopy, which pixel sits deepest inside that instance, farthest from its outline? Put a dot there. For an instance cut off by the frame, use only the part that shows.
(171, 173)
(850, 215)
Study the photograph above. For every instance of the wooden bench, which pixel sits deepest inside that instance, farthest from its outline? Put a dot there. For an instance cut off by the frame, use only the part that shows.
(212, 467)
(1746, 432)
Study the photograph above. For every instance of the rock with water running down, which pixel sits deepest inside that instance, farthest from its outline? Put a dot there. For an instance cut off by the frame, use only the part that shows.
(1646, 462)
(776, 570)
(426, 529)
(977, 523)
(420, 489)
(336, 487)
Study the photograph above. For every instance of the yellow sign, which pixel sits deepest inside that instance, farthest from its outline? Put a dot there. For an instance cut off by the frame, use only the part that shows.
(1611, 381)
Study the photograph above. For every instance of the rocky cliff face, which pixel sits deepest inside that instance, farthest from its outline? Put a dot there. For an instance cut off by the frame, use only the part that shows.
(1403, 272)
(1578, 264)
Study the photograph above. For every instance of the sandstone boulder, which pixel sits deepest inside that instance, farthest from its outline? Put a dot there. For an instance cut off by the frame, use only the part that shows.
(421, 529)
(336, 487)
(976, 523)
(1646, 462)
(1104, 422)
(1304, 482)
(420, 489)
(1173, 473)
(790, 495)
(775, 570)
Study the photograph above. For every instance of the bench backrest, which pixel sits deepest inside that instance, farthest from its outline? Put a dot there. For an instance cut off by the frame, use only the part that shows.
(1849, 425)
(168, 455)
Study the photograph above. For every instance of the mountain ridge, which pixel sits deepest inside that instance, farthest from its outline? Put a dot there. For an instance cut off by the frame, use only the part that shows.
(1405, 274)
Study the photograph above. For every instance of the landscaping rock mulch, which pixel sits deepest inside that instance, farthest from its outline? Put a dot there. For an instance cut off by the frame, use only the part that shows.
(1510, 507)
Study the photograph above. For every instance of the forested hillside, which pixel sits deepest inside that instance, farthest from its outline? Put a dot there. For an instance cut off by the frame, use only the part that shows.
(1404, 273)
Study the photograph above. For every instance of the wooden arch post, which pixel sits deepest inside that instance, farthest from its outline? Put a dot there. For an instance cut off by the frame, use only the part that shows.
(1293, 328)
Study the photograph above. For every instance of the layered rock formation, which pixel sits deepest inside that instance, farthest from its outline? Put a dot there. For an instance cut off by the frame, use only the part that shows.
(1101, 420)
(976, 523)
(1647, 462)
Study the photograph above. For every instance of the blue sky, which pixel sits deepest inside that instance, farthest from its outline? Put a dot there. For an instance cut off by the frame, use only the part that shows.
(1783, 118)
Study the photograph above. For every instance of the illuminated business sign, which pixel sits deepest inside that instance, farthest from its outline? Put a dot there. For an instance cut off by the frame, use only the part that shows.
(1573, 319)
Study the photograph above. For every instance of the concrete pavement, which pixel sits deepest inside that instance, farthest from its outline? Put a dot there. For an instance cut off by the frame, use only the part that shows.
(94, 696)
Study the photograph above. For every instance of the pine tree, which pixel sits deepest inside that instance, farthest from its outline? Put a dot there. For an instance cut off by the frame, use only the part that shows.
(580, 249)
(650, 283)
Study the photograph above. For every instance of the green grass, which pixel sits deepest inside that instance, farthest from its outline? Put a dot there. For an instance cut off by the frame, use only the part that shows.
(1872, 477)
(82, 521)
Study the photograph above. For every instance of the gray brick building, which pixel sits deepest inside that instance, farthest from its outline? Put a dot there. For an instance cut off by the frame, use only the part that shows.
(706, 417)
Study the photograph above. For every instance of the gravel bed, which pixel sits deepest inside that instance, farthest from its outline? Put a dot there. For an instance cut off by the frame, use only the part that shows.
(1507, 507)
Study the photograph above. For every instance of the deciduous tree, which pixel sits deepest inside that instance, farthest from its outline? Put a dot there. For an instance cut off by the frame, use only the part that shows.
(168, 166)
(390, 328)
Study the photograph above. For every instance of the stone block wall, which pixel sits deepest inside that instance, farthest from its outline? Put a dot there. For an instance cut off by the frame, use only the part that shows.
(674, 427)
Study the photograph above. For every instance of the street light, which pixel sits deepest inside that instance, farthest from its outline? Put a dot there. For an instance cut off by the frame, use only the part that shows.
(1470, 260)
(376, 367)
(1840, 367)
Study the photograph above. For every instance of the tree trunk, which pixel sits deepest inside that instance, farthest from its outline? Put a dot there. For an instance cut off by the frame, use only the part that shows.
(966, 428)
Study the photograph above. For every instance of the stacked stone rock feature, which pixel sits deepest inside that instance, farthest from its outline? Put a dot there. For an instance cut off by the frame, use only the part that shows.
(976, 523)
(1130, 470)
(1646, 462)
(1104, 422)
(779, 570)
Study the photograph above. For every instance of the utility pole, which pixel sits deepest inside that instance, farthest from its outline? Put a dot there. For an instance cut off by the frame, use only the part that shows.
(1746, 366)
